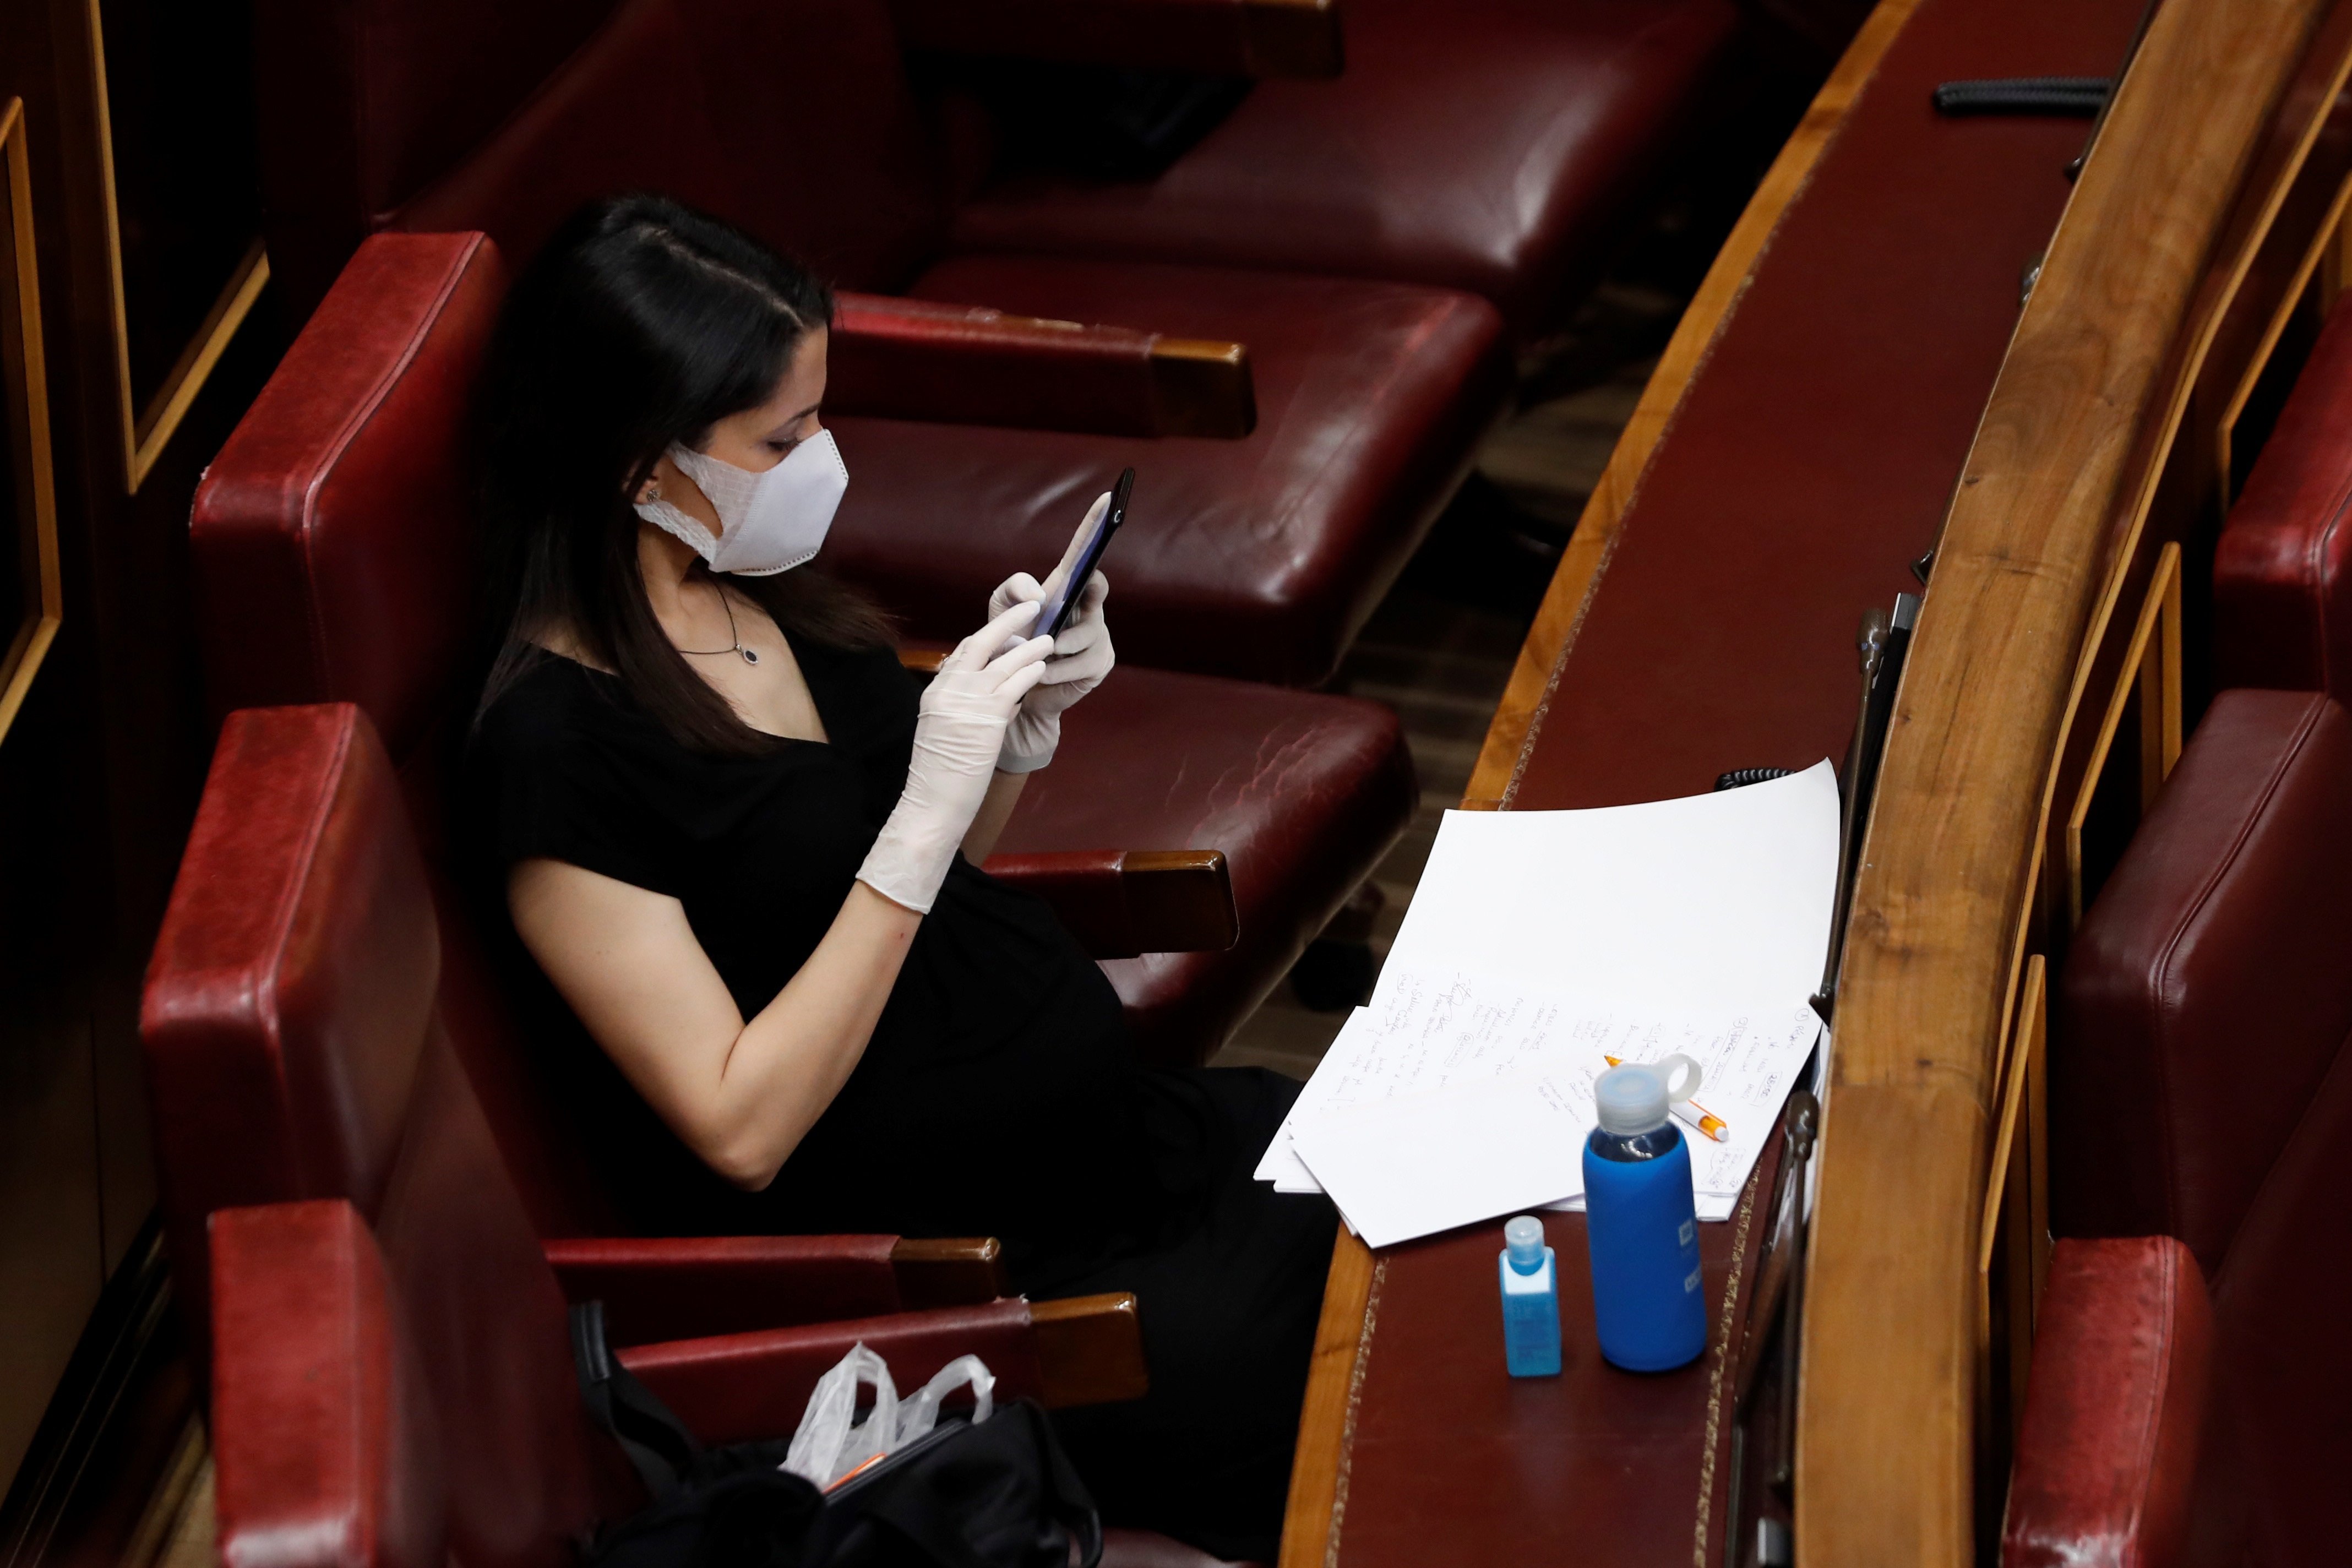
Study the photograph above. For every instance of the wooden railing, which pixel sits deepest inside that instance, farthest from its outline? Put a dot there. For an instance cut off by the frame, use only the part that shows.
(2209, 213)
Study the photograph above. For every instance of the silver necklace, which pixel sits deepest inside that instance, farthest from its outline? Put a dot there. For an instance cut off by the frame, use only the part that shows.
(751, 656)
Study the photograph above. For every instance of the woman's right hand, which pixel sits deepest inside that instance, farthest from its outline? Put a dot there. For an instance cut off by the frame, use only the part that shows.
(959, 732)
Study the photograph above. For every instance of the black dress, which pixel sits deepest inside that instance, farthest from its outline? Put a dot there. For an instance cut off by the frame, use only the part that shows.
(997, 1096)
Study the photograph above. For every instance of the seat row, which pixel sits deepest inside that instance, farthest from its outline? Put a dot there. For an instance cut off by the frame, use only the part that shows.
(1309, 323)
(2187, 1382)
(1295, 333)
(2201, 1094)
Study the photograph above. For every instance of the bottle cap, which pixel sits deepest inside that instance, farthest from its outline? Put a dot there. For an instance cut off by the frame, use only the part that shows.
(1525, 1238)
(1631, 1100)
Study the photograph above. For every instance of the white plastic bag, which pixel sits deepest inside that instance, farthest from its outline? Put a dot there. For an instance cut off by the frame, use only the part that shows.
(920, 1414)
(831, 1442)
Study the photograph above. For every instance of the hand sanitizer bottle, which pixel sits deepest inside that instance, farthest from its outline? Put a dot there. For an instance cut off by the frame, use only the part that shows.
(1641, 1221)
(1530, 1300)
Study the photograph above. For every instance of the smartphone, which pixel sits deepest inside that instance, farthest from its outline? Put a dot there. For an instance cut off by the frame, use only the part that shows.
(1060, 606)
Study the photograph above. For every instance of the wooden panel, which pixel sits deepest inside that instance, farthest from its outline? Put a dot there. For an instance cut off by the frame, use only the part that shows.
(49, 1255)
(35, 607)
(181, 206)
(2149, 680)
(2063, 470)
(2014, 1230)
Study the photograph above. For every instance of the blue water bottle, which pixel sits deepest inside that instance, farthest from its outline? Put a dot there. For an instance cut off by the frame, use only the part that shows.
(1641, 1221)
(1530, 1300)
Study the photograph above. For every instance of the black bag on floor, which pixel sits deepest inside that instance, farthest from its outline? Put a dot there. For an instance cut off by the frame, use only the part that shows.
(997, 1495)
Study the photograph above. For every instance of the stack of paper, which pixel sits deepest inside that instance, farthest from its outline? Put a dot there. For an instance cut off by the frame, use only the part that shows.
(1539, 945)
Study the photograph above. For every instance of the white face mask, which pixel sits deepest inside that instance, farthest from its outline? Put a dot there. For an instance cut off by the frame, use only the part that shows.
(770, 521)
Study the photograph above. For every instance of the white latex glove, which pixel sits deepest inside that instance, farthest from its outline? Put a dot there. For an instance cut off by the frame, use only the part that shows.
(1082, 654)
(958, 731)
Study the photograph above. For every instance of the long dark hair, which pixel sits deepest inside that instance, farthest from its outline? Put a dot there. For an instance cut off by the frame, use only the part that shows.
(641, 324)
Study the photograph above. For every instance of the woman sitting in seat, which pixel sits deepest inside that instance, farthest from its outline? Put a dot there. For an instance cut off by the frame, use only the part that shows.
(737, 844)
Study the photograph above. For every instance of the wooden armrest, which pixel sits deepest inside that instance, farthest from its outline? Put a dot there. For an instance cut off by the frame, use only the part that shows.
(1090, 1350)
(967, 365)
(1296, 38)
(923, 657)
(680, 1287)
(947, 1271)
(1121, 903)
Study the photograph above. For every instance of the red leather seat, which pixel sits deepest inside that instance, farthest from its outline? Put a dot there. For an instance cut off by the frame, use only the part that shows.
(2283, 570)
(307, 1010)
(1487, 145)
(795, 118)
(2106, 1469)
(1260, 559)
(300, 1047)
(1304, 800)
(2200, 1084)
(403, 1397)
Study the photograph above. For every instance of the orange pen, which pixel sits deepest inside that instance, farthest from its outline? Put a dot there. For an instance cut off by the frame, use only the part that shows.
(1709, 1123)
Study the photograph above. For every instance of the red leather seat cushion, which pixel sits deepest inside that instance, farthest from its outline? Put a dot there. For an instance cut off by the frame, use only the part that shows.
(1303, 791)
(2283, 572)
(2106, 1454)
(1259, 558)
(1482, 145)
(2201, 1083)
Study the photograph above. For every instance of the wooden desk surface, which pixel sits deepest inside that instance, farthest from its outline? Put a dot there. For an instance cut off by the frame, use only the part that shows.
(1796, 451)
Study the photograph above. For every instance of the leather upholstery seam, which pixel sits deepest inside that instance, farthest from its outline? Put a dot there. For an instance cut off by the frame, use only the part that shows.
(281, 925)
(364, 414)
(2316, 584)
(2151, 1437)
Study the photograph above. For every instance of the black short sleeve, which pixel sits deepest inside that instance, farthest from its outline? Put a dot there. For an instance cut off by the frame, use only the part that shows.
(547, 784)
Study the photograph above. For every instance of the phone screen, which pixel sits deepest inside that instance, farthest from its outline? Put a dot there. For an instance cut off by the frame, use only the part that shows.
(1059, 605)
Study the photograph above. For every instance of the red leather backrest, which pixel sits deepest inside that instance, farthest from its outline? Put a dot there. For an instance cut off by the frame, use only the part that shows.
(2283, 570)
(290, 990)
(524, 1469)
(298, 984)
(404, 1398)
(2209, 992)
(324, 1440)
(2106, 1464)
(362, 103)
(791, 117)
(333, 539)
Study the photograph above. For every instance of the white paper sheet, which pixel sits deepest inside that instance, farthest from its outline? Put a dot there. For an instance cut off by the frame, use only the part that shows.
(1712, 900)
(1539, 944)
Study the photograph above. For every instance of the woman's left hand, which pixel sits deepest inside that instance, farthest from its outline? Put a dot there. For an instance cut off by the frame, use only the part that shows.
(1082, 654)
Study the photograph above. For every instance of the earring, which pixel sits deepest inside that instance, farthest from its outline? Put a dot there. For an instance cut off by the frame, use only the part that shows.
(653, 491)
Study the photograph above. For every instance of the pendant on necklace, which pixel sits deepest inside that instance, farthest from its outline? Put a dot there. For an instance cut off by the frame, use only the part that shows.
(750, 656)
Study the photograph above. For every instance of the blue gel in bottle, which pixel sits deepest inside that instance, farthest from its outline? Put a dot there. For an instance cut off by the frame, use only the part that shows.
(1642, 1225)
(1530, 1300)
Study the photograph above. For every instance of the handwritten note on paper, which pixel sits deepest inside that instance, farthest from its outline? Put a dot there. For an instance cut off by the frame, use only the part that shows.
(1427, 1033)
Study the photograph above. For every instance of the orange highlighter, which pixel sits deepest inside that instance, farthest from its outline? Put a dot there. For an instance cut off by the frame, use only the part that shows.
(1709, 1123)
